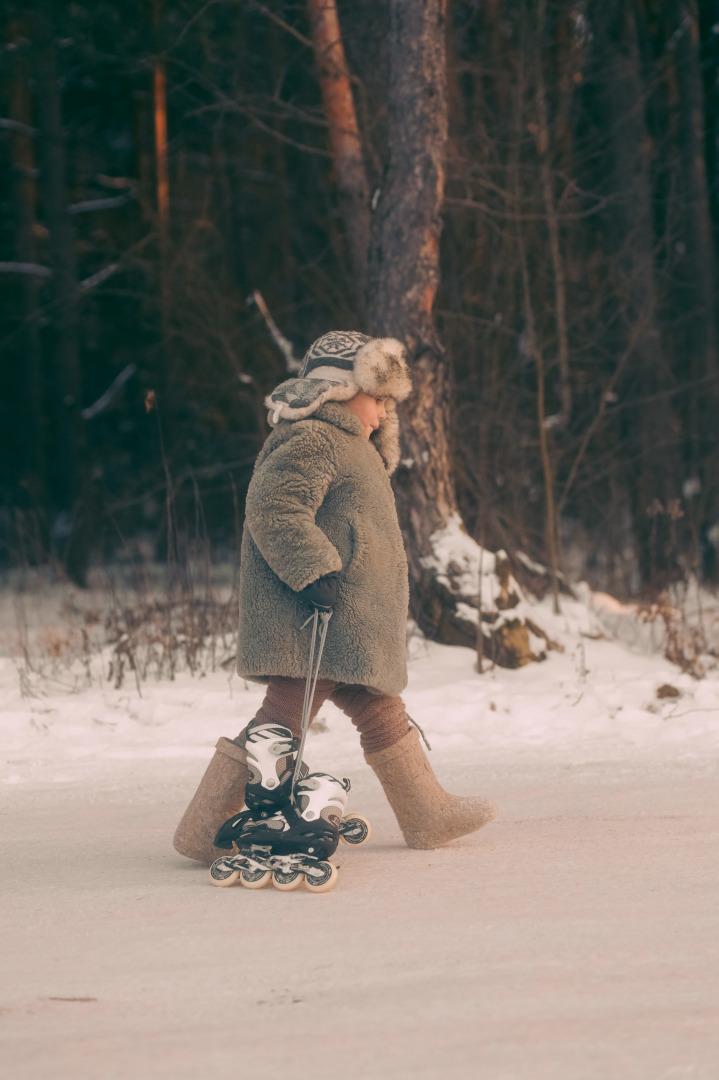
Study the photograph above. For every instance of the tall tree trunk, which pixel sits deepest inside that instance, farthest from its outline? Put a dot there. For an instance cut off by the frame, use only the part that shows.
(709, 68)
(67, 390)
(162, 203)
(543, 144)
(142, 153)
(25, 199)
(630, 241)
(403, 280)
(344, 137)
(697, 269)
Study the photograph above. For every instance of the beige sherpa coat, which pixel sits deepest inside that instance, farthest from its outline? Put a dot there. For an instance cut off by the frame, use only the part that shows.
(319, 501)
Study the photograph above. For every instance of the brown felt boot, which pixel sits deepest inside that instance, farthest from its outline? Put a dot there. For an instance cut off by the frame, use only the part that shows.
(221, 794)
(427, 815)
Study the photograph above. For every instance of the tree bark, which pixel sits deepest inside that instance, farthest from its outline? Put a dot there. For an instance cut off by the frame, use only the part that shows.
(403, 281)
(67, 392)
(629, 236)
(543, 142)
(696, 272)
(162, 200)
(25, 200)
(344, 137)
(708, 17)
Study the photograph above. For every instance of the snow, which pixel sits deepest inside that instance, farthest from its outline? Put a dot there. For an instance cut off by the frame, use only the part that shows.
(597, 700)
(575, 936)
(481, 579)
(458, 560)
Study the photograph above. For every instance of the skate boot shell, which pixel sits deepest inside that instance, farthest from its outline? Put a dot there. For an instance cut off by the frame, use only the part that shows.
(271, 750)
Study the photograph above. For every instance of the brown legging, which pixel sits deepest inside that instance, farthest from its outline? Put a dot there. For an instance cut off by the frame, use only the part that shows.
(380, 719)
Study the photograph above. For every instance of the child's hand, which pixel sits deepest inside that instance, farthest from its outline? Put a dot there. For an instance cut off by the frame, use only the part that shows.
(321, 594)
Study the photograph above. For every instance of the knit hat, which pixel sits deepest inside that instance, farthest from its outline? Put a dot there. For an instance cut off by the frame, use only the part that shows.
(335, 368)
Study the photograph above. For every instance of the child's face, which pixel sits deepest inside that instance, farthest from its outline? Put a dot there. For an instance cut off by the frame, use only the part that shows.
(370, 411)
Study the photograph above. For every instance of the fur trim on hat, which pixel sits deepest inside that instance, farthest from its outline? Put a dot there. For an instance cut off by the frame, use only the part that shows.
(380, 369)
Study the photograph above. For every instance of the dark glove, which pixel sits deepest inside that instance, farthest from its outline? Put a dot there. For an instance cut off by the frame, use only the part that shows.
(322, 593)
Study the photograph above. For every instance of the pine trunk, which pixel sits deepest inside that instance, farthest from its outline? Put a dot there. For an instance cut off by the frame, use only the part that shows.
(403, 281)
(67, 384)
(696, 273)
(629, 235)
(25, 200)
(162, 203)
(343, 136)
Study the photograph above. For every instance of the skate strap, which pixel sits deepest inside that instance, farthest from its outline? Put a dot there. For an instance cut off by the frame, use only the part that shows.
(313, 670)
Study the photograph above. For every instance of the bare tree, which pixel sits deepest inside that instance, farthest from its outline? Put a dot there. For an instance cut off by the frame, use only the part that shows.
(543, 144)
(25, 199)
(344, 136)
(695, 266)
(162, 198)
(65, 310)
(630, 240)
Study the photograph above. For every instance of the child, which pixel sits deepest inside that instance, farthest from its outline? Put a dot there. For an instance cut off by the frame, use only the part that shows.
(321, 530)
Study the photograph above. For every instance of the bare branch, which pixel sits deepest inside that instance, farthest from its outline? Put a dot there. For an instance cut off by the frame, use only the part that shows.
(109, 203)
(283, 344)
(281, 22)
(509, 215)
(97, 279)
(25, 268)
(104, 400)
(17, 127)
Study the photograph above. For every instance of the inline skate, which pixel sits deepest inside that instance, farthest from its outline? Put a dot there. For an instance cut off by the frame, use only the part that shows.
(294, 818)
(291, 844)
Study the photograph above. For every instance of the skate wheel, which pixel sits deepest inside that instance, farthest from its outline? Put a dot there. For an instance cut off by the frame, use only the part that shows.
(355, 829)
(286, 880)
(222, 875)
(322, 877)
(255, 879)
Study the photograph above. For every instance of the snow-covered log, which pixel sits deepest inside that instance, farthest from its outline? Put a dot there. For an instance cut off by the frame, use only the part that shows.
(487, 608)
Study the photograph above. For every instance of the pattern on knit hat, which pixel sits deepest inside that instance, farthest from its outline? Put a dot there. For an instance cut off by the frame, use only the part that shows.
(336, 349)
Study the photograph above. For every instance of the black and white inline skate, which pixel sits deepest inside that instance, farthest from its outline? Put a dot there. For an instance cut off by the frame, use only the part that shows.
(294, 819)
(292, 844)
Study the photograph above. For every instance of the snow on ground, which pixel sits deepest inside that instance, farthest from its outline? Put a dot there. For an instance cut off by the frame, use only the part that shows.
(595, 701)
(575, 937)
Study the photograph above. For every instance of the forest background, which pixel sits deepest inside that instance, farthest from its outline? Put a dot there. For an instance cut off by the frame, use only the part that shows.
(526, 192)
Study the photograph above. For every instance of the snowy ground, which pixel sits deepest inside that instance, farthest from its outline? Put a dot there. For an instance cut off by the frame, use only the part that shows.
(598, 700)
(576, 936)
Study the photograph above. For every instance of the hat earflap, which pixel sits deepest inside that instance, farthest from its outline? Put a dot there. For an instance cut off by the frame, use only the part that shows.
(386, 438)
(298, 399)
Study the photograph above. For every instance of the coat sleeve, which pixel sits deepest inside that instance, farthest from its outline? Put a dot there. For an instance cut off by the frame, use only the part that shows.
(284, 495)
